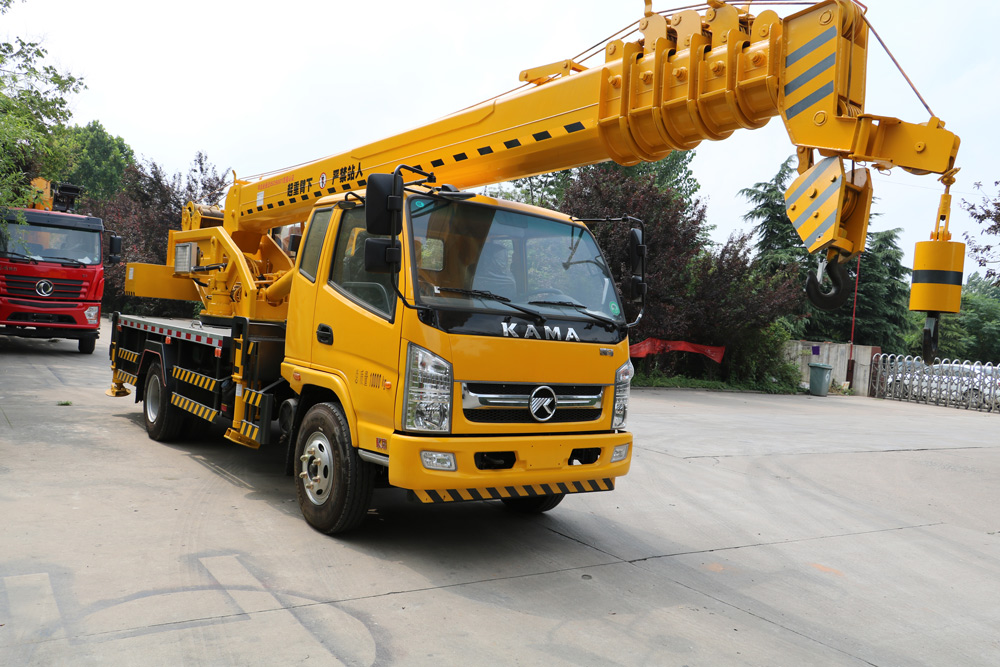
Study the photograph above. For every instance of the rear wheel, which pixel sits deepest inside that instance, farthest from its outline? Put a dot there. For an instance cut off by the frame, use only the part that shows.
(87, 345)
(163, 419)
(333, 485)
(534, 504)
(972, 398)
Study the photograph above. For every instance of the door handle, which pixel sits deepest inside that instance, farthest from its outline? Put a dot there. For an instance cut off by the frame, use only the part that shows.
(324, 334)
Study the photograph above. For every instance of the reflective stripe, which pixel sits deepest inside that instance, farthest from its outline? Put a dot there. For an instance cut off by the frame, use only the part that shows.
(810, 46)
(810, 100)
(937, 277)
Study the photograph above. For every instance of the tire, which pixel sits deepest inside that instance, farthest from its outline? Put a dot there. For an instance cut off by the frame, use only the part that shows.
(86, 345)
(534, 504)
(972, 399)
(163, 419)
(332, 484)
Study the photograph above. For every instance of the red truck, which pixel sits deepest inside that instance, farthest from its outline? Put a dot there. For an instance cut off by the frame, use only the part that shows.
(51, 270)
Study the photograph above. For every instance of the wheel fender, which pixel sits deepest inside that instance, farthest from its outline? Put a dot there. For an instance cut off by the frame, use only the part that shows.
(315, 387)
(148, 357)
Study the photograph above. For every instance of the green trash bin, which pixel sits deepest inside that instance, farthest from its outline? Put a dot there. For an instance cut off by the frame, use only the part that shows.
(819, 379)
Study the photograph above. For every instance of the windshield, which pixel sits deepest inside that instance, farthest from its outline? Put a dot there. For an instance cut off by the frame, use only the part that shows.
(481, 257)
(50, 244)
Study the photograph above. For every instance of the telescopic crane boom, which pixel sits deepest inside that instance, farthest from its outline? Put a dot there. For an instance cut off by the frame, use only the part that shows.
(691, 77)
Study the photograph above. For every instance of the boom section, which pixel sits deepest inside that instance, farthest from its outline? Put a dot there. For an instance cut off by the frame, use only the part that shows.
(690, 78)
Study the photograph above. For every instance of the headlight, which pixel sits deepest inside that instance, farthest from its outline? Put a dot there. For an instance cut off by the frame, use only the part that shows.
(92, 314)
(623, 384)
(428, 392)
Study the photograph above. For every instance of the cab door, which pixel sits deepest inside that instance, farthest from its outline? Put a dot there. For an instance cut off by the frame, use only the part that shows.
(299, 332)
(357, 314)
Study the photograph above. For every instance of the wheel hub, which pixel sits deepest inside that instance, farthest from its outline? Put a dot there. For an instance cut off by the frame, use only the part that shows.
(316, 469)
(152, 400)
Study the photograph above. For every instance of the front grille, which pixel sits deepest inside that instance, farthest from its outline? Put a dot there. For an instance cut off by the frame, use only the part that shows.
(21, 285)
(41, 318)
(510, 403)
(501, 416)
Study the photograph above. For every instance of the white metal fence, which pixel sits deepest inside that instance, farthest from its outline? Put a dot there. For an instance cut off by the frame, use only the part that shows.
(959, 384)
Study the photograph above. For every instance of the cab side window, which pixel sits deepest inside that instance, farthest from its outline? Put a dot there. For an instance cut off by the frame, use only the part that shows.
(313, 245)
(348, 273)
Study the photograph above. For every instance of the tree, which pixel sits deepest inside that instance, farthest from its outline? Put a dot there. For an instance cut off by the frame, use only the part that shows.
(778, 245)
(883, 290)
(734, 302)
(986, 213)
(672, 239)
(99, 161)
(696, 293)
(32, 106)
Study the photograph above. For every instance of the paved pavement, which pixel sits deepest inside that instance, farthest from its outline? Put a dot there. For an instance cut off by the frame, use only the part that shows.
(753, 530)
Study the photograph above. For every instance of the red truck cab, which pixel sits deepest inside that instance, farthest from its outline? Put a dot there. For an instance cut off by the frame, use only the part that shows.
(52, 275)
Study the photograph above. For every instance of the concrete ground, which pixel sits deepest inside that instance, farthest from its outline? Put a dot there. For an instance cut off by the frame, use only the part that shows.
(752, 530)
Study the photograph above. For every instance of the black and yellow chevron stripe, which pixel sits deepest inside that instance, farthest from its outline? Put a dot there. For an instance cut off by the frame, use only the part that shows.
(249, 430)
(252, 398)
(197, 409)
(127, 355)
(122, 376)
(196, 379)
(498, 146)
(527, 491)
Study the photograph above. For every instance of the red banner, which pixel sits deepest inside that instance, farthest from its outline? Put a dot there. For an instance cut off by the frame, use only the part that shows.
(657, 346)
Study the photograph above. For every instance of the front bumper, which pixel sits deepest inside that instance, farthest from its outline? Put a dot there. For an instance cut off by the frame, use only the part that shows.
(47, 319)
(541, 466)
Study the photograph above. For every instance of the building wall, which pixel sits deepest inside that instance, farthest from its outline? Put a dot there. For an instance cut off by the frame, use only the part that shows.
(805, 352)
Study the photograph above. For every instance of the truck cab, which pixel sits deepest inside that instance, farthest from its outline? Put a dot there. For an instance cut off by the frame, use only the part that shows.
(492, 364)
(51, 275)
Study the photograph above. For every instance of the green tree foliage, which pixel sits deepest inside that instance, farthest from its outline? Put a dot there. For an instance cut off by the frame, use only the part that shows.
(545, 190)
(33, 106)
(98, 161)
(777, 244)
(602, 191)
(987, 214)
(883, 289)
(670, 175)
(697, 294)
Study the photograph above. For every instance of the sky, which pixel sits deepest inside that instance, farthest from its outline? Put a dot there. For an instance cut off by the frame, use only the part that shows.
(262, 85)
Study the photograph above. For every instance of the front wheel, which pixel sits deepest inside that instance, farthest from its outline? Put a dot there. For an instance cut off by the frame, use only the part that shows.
(163, 419)
(86, 345)
(534, 504)
(333, 486)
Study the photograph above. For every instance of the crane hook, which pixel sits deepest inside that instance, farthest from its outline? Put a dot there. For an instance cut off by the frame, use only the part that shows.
(839, 292)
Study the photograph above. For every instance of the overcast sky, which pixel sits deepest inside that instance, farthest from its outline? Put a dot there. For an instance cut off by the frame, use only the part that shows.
(263, 85)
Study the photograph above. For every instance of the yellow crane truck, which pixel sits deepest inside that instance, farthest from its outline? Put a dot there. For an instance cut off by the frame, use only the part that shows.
(419, 335)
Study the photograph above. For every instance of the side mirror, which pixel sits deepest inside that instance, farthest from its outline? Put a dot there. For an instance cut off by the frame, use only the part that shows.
(114, 249)
(637, 256)
(383, 255)
(637, 289)
(384, 205)
(637, 252)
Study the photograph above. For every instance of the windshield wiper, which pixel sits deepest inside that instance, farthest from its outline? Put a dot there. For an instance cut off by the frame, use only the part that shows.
(64, 260)
(490, 296)
(581, 309)
(19, 255)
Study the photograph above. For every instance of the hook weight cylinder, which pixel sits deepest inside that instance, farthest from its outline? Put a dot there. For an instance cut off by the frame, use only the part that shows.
(937, 276)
